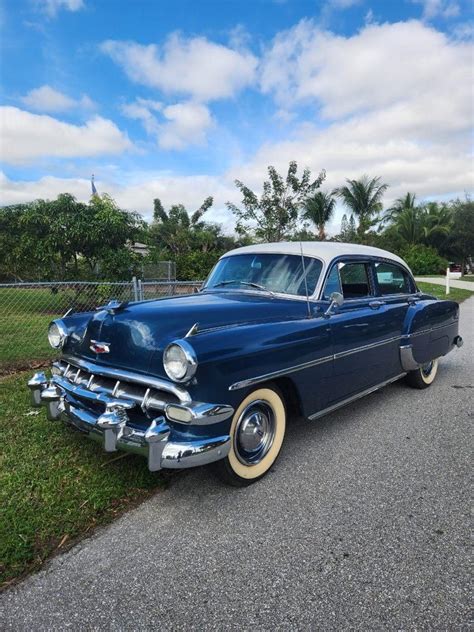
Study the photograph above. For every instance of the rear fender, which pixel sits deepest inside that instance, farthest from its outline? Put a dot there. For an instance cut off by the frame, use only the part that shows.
(430, 330)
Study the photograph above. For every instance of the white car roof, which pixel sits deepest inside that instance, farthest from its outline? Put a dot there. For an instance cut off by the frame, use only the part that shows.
(324, 250)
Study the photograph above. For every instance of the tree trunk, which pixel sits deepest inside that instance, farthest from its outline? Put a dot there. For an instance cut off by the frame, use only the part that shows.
(322, 234)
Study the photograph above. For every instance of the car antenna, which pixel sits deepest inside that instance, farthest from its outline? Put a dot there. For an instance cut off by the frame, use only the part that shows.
(305, 280)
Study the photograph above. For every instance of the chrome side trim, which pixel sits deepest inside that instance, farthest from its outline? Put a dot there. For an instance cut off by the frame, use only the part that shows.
(307, 365)
(129, 376)
(267, 376)
(428, 331)
(407, 360)
(336, 356)
(353, 398)
(372, 345)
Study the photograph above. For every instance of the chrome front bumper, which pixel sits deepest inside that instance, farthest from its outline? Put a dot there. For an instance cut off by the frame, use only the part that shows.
(112, 427)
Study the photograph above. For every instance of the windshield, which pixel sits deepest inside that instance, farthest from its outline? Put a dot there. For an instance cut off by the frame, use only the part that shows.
(266, 272)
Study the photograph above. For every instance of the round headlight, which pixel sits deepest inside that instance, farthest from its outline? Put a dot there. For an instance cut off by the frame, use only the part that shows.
(57, 334)
(179, 361)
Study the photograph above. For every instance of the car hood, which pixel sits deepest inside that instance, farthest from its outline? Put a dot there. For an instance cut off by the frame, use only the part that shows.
(137, 334)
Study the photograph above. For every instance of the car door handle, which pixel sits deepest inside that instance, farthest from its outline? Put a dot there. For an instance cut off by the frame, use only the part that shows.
(376, 304)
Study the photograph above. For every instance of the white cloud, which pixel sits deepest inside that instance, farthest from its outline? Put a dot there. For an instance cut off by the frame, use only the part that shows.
(187, 123)
(47, 99)
(180, 124)
(28, 137)
(438, 8)
(195, 67)
(393, 100)
(51, 7)
(378, 67)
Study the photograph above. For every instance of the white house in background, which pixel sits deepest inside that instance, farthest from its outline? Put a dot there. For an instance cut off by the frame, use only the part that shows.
(139, 249)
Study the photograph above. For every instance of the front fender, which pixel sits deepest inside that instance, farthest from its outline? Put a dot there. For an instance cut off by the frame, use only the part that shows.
(234, 361)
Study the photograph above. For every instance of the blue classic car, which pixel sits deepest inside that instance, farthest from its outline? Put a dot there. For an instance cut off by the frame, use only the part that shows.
(277, 330)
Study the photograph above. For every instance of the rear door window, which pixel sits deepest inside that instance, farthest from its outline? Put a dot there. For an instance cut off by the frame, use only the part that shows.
(392, 279)
(354, 280)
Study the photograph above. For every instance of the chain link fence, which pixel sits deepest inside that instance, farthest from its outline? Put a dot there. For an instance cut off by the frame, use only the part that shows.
(26, 309)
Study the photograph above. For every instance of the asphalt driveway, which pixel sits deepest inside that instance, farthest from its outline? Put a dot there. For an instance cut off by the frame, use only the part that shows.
(363, 524)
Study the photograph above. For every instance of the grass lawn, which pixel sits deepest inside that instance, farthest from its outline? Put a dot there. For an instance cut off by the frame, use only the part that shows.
(439, 291)
(25, 314)
(55, 484)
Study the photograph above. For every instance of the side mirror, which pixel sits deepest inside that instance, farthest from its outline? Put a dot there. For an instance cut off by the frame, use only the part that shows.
(336, 301)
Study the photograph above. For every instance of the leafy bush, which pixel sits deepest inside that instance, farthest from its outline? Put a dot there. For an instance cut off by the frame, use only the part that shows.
(196, 265)
(424, 260)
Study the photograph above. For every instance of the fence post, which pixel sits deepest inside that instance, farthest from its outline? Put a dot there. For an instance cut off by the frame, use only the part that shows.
(135, 288)
(447, 280)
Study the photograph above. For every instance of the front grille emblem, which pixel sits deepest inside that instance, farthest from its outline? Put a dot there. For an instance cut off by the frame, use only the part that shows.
(99, 347)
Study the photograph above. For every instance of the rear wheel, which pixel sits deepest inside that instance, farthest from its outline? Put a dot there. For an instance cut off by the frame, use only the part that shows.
(257, 432)
(424, 376)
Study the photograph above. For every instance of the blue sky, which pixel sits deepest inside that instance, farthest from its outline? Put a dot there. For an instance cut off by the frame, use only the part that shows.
(177, 99)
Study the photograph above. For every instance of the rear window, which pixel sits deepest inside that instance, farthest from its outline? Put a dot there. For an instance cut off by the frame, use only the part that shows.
(392, 279)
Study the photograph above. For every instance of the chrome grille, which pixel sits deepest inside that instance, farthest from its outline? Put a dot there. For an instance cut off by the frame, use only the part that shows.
(89, 384)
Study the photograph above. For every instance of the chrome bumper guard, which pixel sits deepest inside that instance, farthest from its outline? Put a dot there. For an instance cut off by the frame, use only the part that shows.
(112, 428)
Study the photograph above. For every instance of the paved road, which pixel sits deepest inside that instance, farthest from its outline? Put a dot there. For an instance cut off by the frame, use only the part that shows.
(363, 524)
(462, 285)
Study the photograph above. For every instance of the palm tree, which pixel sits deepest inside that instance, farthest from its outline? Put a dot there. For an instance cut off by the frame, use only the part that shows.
(401, 204)
(319, 209)
(363, 198)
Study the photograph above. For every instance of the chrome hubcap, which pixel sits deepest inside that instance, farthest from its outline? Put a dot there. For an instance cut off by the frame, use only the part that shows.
(254, 432)
(427, 368)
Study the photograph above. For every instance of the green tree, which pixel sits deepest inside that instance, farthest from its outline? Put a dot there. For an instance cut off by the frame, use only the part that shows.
(406, 203)
(64, 238)
(319, 209)
(348, 231)
(363, 198)
(194, 244)
(175, 231)
(273, 216)
(460, 245)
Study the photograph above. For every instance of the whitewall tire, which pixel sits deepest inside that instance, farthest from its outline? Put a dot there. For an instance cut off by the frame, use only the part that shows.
(257, 433)
(424, 376)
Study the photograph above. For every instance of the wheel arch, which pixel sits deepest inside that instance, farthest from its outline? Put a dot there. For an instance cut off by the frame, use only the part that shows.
(290, 394)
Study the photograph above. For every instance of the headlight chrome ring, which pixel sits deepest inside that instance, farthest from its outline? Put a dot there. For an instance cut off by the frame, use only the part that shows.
(57, 334)
(180, 361)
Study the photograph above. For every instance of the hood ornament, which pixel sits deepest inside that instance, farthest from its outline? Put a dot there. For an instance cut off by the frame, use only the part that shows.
(99, 347)
(114, 306)
(193, 331)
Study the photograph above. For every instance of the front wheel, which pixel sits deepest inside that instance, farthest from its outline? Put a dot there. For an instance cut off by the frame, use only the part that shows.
(257, 432)
(424, 376)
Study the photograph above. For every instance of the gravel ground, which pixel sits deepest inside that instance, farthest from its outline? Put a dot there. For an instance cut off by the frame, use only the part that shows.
(362, 524)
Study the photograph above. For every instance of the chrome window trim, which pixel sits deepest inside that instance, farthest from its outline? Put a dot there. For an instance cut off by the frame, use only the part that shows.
(366, 258)
(129, 376)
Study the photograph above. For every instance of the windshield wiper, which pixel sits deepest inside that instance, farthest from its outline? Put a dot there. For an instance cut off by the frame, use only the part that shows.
(249, 283)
